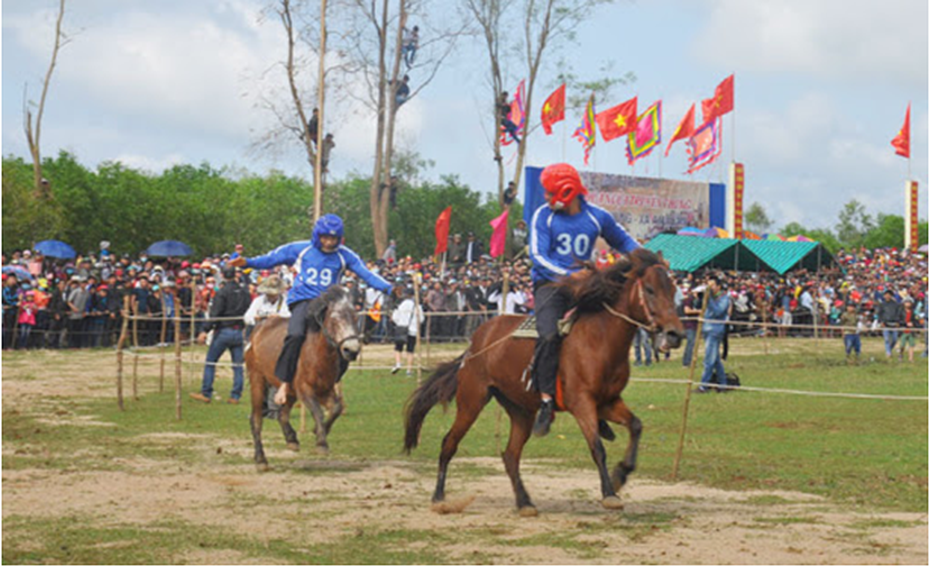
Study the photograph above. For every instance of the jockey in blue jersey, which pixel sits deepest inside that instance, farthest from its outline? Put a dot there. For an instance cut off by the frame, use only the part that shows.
(562, 236)
(320, 263)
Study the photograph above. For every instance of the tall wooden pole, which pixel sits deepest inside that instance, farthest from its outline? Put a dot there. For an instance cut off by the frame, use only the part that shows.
(161, 344)
(135, 356)
(321, 88)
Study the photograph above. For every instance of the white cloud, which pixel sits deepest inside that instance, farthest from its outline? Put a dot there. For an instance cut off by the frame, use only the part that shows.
(861, 41)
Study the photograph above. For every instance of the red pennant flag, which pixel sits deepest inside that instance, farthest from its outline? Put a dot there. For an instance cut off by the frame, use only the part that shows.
(553, 109)
(684, 130)
(442, 231)
(617, 121)
(499, 236)
(721, 103)
(902, 142)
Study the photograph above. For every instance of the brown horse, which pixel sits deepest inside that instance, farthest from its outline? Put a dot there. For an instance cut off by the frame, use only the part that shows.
(594, 367)
(332, 342)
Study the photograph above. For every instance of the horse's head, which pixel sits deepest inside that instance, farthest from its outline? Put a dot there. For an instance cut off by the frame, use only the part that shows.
(334, 315)
(652, 299)
(637, 289)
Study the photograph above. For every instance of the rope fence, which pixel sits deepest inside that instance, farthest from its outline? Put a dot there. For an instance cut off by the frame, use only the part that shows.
(432, 319)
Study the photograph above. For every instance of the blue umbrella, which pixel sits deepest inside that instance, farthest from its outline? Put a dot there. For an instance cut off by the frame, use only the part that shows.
(169, 248)
(18, 271)
(55, 249)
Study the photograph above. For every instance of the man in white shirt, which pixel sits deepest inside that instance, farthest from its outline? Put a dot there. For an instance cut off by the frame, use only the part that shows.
(269, 304)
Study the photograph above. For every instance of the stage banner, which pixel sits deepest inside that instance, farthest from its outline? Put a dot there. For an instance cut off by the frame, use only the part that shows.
(911, 220)
(647, 206)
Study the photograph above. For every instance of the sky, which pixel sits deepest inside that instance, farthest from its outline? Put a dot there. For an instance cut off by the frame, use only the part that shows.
(821, 88)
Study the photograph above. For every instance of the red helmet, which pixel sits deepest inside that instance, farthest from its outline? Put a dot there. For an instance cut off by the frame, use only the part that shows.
(562, 184)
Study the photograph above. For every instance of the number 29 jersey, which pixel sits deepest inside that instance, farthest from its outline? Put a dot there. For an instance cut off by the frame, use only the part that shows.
(316, 270)
(559, 241)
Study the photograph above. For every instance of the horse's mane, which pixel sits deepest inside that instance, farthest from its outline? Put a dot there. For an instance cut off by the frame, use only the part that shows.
(317, 308)
(591, 288)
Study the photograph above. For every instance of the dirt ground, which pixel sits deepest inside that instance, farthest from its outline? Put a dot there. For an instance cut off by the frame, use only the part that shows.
(662, 523)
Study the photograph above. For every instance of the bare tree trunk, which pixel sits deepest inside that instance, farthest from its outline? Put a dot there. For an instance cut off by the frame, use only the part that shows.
(376, 187)
(381, 237)
(34, 131)
(321, 97)
(287, 19)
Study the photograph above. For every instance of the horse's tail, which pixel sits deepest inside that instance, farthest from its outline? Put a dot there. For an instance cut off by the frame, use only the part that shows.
(438, 388)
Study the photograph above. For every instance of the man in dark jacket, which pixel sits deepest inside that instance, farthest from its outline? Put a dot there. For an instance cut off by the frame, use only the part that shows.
(229, 305)
(890, 315)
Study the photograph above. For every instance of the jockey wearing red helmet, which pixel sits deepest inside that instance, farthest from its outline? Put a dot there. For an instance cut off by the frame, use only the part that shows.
(562, 236)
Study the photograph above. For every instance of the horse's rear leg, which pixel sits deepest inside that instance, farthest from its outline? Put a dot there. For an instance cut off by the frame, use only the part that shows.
(521, 426)
(469, 401)
(585, 414)
(257, 389)
(620, 413)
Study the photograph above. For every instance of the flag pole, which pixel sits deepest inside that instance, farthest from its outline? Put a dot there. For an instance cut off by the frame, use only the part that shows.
(733, 126)
(564, 137)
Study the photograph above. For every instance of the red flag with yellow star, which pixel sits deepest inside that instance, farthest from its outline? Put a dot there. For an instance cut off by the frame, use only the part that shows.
(553, 110)
(902, 142)
(721, 103)
(617, 121)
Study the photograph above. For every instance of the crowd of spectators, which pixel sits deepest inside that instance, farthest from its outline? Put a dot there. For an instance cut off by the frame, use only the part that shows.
(50, 303)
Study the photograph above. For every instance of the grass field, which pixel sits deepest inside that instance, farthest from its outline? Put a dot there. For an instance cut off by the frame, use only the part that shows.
(865, 455)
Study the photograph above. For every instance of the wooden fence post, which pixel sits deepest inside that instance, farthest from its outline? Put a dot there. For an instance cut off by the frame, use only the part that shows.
(684, 410)
(135, 356)
(161, 343)
(177, 362)
(124, 332)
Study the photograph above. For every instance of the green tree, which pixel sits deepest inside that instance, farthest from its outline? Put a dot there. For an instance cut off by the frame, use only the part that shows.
(888, 231)
(854, 224)
(757, 220)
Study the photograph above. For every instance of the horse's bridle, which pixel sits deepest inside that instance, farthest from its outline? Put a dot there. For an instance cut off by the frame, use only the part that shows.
(651, 326)
(329, 338)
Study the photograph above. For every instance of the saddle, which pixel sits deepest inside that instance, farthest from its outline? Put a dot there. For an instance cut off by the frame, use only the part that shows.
(527, 329)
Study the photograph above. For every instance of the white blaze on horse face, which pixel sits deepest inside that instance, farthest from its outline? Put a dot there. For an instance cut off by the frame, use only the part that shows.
(344, 324)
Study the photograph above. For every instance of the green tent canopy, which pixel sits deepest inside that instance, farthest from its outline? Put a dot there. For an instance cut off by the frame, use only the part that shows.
(691, 253)
(784, 256)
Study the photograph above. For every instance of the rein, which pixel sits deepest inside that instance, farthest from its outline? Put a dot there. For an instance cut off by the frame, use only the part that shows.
(651, 327)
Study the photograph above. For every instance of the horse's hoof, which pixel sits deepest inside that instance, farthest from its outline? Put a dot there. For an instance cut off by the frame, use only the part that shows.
(322, 449)
(528, 512)
(612, 503)
(262, 467)
(293, 446)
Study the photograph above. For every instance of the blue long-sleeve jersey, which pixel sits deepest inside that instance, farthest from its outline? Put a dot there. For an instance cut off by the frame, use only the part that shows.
(559, 241)
(316, 270)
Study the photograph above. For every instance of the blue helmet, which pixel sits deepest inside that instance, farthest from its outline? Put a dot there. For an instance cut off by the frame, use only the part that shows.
(330, 225)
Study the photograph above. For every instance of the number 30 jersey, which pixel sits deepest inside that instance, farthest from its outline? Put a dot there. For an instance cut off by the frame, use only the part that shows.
(559, 241)
(316, 270)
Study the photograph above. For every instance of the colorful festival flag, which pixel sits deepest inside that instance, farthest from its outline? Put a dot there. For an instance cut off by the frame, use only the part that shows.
(553, 109)
(442, 230)
(617, 121)
(704, 146)
(375, 311)
(721, 103)
(499, 236)
(647, 135)
(517, 114)
(684, 130)
(902, 142)
(586, 132)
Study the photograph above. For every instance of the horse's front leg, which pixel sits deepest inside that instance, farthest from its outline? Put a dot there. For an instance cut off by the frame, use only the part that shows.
(336, 410)
(585, 412)
(618, 412)
(284, 418)
(319, 417)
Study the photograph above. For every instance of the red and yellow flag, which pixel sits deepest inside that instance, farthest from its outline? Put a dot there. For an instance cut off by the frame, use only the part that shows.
(617, 121)
(721, 103)
(553, 110)
(902, 142)
(684, 130)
